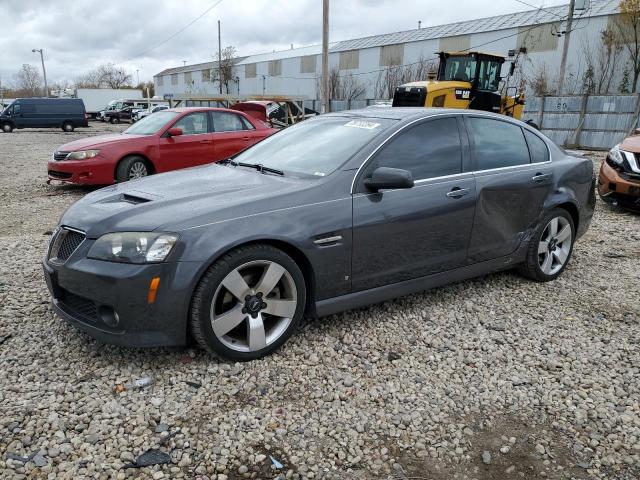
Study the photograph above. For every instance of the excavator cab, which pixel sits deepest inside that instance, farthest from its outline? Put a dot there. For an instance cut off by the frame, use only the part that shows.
(464, 80)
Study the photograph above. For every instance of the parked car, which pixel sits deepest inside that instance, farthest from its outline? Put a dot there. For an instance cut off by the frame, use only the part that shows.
(333, 213)
(167, 140)
(117, 116)
(140, 114)
(64, 113)
(619, 177)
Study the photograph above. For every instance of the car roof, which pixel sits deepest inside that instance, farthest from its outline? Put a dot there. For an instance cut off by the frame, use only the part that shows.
(200, 109)
(411, 113)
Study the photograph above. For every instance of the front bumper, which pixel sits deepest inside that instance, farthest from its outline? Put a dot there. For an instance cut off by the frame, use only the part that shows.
(96, 171)
(614, 188)
(87, 293)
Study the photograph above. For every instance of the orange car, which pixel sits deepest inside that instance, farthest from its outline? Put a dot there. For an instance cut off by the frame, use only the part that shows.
(619, 178)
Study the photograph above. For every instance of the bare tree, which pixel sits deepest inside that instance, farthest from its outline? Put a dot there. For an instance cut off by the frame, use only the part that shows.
(224, 72)
(113, 77)
(629, 33)
(104, 76)
(343, 87)
(28, 81)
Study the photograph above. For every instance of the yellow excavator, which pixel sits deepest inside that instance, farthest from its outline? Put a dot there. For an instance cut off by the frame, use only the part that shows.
(465, 80)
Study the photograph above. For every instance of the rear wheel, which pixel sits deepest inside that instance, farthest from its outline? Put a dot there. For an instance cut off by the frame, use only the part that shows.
(7, 128)
(550, 247)
(131, 168)
(67, 127)
(248, 303)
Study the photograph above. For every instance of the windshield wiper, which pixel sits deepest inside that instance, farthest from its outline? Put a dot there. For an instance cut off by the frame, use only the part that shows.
(258, 166)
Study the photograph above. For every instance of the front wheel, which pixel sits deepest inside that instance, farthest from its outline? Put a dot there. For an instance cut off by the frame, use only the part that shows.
(248, 303)
(7, 128)
(132, 168)
(550, 247)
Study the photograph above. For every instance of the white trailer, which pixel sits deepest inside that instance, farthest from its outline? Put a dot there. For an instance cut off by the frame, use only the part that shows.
(96, 99)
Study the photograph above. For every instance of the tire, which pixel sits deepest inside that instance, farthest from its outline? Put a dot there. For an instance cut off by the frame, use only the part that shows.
(67, 127)
(7, 128)
(244, 270)
(131, 168)
(545, 265)
(115, 120)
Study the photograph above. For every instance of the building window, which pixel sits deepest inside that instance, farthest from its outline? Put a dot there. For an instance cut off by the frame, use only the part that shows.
(542, 38)
(391, 55)
(459, 43)
(275, 68)
(308, 64)
(174, 79)
(187, 78)
(160, 80)
(349, 60)
(206, 75)
(250, 70)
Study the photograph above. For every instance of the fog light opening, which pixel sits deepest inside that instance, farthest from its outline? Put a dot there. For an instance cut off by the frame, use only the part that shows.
(108, 315)
(153, 290)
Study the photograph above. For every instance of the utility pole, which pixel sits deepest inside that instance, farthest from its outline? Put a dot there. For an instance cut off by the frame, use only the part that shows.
(219, 58)
(325, 56)
(565, 46)
(44, 72)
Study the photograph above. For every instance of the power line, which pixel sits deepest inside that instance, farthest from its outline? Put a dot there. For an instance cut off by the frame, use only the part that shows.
(170, 37)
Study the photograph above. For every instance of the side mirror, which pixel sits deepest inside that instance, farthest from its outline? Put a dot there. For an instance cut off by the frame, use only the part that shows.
(386, 177)
(636, 131)
(512, 68)
(174, 132)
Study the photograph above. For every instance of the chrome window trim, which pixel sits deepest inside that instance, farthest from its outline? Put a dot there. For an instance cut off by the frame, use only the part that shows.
(474, 114)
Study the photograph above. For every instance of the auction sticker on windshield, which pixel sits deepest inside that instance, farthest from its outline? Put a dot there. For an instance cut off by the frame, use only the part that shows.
(362, 124)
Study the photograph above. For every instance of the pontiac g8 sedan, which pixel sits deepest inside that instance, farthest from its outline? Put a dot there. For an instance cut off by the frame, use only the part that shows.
(336, 212)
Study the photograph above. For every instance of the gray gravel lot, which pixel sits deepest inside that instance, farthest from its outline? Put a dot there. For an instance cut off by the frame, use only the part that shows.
(491, 378)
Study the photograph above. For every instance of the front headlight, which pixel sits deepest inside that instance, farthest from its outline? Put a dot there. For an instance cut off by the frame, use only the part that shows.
(133, 247)
(616, 155)
(83, 154)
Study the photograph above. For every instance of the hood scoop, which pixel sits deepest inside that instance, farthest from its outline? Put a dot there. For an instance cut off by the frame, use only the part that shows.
(120, 200)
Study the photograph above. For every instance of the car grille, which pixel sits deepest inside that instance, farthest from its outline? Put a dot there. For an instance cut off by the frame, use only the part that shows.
(57, 156)
(78, 306)
(61, 175)
(64, 243)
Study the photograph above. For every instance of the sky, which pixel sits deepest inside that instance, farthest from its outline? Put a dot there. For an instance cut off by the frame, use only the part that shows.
(78, 35)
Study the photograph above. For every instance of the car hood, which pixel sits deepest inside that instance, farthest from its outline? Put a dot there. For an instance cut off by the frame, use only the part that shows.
(179, 200)
(97, 141)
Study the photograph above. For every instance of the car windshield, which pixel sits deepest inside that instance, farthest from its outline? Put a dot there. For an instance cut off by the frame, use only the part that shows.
(315, 147)
(151, 124)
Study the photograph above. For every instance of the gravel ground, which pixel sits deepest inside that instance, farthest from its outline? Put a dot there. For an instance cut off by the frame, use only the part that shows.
(491, 378)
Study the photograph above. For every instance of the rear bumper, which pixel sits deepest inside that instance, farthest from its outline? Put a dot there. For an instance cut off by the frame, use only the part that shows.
(97, 171)
(109, 302)
(614, 188)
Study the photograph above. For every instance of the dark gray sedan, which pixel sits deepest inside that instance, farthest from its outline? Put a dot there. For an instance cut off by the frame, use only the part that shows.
(334, 213)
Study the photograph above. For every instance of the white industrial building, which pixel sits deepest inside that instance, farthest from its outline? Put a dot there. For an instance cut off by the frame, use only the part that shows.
(297, 71)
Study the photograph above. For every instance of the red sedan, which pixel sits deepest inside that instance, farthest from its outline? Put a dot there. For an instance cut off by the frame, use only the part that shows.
(167, 140)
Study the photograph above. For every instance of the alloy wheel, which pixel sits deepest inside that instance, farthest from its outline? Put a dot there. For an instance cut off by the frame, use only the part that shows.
(253, 306)
(554, 246)
(138, 170)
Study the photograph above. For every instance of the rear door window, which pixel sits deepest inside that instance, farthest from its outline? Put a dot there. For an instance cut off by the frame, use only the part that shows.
(226, 122)
(430, 149)
(537, 148)
(496, 144)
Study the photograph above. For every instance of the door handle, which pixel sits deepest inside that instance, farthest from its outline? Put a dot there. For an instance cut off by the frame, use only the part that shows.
(540, 177)
(458, 192)
(246, 139)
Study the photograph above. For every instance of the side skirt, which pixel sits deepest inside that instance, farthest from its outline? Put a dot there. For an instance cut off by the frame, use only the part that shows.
(387, 292)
